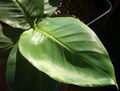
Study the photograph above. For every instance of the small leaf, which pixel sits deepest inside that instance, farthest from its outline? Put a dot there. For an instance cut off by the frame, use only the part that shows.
(68, 51)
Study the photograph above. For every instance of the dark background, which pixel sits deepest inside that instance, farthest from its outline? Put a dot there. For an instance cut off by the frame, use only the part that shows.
(108, 30)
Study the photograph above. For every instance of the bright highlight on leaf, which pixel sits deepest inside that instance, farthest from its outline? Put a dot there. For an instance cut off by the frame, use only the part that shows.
(68, 51)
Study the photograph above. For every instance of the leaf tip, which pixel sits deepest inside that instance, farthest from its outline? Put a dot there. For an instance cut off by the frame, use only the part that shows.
(117, 86)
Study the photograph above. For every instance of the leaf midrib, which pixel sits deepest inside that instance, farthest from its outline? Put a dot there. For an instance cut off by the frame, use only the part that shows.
(55, 39)
(68, 48)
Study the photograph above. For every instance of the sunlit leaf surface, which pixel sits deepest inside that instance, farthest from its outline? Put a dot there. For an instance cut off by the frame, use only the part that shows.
(68, 51)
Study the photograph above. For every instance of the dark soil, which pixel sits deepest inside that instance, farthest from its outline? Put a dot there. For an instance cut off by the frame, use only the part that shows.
(85, 10)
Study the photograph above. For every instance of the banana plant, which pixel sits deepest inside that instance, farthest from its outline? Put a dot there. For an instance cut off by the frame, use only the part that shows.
(51, 50)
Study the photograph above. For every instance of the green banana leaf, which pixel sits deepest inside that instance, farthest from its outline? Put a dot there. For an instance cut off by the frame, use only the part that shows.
(22, 76)
(68, 51)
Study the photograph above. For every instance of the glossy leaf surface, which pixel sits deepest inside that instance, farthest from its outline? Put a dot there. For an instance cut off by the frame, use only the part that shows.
(21, 13)
(68, 51)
